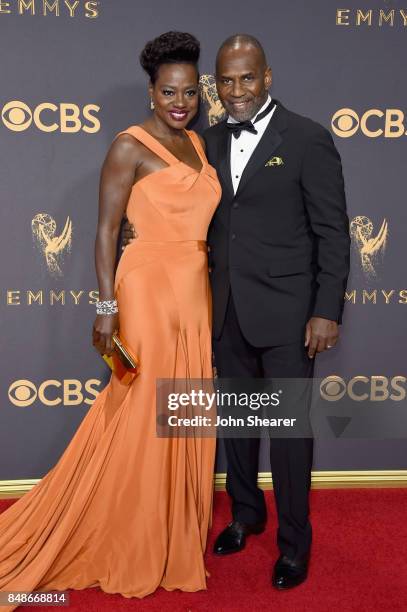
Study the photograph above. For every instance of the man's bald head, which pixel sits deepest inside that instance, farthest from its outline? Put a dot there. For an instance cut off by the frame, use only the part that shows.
(244, 42)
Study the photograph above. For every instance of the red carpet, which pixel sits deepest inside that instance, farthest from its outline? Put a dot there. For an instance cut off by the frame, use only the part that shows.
(359, 562)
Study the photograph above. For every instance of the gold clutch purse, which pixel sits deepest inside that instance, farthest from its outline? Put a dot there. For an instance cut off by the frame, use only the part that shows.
(122, 362)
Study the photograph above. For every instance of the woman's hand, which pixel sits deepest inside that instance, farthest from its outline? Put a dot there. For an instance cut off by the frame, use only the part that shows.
(103, 329)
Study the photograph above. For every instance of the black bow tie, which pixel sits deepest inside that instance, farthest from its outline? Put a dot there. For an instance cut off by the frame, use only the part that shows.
(237, 128)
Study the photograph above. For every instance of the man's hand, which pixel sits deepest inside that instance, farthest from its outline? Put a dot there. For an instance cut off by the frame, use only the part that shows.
(320, 334)
(128, 234)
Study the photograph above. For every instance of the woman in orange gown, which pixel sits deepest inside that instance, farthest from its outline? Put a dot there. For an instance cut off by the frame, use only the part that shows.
(123, 509)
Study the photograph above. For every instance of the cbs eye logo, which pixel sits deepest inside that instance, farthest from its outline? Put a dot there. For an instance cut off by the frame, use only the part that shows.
(372, 123)
(66, 117)
(22, 393)
(332, 388)
(69, 392)
(345, 122)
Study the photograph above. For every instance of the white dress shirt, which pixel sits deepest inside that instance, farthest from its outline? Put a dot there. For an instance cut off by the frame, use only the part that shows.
(242, 148)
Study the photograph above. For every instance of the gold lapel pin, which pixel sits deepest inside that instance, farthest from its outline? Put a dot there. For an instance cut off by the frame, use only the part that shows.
(275, 161)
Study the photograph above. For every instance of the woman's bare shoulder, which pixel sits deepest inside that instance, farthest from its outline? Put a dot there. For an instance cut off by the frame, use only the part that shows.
(126, 145)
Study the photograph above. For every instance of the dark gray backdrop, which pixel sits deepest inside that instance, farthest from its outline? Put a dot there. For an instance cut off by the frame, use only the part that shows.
(319, 66)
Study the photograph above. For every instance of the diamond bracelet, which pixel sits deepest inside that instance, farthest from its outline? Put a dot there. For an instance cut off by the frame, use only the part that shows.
(106, 307)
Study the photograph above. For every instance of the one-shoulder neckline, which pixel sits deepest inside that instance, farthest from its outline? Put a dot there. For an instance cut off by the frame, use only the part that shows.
(167, 152)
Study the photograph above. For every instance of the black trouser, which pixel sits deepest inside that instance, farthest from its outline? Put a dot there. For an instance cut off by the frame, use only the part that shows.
(290, 458)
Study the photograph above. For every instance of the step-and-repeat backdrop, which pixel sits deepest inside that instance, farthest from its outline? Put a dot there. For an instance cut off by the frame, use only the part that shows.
(70, 80)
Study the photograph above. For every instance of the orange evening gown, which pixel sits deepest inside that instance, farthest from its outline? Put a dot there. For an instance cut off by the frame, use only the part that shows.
(123, 509)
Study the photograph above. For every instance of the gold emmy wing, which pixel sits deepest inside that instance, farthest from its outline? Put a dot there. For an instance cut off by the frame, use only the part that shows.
(123, 509)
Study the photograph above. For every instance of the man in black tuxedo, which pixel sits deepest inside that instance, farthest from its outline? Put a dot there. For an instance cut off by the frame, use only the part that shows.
(279, 258)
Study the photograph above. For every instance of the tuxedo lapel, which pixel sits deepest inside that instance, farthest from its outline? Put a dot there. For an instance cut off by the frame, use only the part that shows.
(268, 143)
(224, 159)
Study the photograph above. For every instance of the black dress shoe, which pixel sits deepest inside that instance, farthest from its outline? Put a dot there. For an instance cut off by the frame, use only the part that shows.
(289, 573)
(233, 538)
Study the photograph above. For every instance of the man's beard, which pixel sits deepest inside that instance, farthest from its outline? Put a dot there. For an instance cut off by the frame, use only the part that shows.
(249, 111)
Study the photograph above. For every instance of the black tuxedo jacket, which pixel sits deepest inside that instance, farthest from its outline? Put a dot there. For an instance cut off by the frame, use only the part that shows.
(282, 242)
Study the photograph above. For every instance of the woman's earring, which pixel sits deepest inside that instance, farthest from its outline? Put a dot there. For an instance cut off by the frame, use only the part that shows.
(152, 104)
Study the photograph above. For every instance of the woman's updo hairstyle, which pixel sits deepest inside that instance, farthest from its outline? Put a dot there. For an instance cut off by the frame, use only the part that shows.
(169, 48)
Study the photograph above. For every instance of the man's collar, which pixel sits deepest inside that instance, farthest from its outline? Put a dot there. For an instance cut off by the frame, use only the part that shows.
(267, 102)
